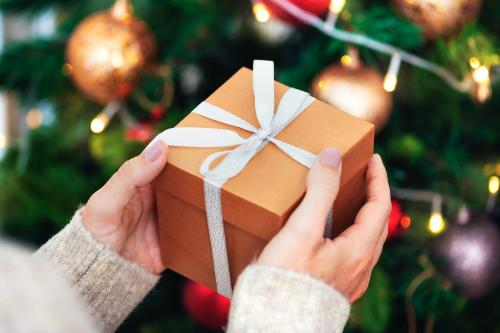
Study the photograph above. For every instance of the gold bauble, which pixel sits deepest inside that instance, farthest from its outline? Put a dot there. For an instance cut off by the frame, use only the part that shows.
(108, 51)
(357, 90)
(439, 18)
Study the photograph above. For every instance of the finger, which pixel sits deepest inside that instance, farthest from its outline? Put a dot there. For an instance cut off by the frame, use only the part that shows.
(372, 217)
(322, 187)
(133, 174)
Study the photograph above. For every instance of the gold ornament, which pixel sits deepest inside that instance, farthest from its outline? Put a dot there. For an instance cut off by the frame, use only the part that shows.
(354, 89)
(439, 18)
(108, 51)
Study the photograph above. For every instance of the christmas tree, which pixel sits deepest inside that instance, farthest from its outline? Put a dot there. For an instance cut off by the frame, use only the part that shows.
(90, 94)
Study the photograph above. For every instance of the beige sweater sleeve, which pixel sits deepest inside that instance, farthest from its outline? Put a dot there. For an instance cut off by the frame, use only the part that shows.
(109, 285)
(268, 299)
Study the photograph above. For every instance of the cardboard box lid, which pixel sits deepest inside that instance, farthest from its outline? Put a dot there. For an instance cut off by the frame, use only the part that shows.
(261, 197)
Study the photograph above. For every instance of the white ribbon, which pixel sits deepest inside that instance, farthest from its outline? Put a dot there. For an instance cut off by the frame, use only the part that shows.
(292, 104)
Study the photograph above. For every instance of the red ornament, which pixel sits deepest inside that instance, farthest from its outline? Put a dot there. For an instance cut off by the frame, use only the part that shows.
(157, 112)
(206, 307)
(394, 219)
(141, 132)
(316, 7)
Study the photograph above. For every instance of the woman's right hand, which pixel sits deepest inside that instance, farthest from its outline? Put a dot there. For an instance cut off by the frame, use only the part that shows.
(346, 262)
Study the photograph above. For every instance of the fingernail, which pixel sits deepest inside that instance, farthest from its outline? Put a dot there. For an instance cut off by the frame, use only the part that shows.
(376, 159)
(330, 157)
(153, 152)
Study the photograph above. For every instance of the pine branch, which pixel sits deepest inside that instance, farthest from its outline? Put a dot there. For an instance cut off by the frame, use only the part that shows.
(35, 64)
(34, 6)
(382, 23)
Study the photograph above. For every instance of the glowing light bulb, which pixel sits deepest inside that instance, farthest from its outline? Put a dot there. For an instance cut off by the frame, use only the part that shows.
(390, 82)
(474, 62)
(481, 74)
(336, 6)
(493, 184)
(99, 123)
(436, 223)
(3, 140)
(346, 60)
(391, 78)
(261, 12)
(34, 118)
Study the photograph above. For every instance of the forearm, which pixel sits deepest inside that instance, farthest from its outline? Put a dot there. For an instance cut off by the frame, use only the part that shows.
(110, 285)
(268, 299)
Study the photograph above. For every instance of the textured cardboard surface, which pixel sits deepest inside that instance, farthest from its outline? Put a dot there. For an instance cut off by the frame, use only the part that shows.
(257, 202)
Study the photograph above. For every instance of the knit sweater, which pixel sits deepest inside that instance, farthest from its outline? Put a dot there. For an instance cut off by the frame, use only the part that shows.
(266, 299)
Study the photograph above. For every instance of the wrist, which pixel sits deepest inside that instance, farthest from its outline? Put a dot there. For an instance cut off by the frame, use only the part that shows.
(103, 233)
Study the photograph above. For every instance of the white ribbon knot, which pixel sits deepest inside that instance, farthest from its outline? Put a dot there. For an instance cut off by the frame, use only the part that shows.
(292, 104)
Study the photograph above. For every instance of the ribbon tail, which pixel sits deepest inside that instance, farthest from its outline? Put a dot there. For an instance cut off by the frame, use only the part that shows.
(214, 179)
(263, 90)
(217, 238)
(213, 112)
(300, 155)
(199, 137)
(292, 104)
(235, 161)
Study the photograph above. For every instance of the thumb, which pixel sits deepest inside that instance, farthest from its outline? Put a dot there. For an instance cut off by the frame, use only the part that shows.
(133, 174)
(322, 188)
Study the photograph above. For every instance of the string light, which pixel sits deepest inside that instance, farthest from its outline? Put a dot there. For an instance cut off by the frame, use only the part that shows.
(391, 78)
(493, 184)
(436, 224)
(34, 118)
(336, 6)
(328, 28)
(99, 123)
(3, 141)
(261, 12)
(436, 221)
(481, 74)
(481, 89)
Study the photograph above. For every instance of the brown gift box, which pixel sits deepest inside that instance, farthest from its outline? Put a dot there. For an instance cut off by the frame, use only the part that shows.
(257, 202)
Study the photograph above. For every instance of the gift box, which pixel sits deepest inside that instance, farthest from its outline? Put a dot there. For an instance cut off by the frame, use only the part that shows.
(256, 202)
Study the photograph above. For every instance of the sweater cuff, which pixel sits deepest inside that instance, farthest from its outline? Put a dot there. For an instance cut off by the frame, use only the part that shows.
(270, 299)
(110, 285)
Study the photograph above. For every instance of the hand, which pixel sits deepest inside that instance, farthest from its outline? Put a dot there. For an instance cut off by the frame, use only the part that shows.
(122, 213)
(346, 262)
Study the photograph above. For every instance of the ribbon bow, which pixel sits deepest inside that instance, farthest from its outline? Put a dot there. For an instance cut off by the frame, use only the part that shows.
(292, 104)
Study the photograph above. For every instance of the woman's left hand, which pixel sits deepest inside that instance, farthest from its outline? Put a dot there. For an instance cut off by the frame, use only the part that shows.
(122, 213)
